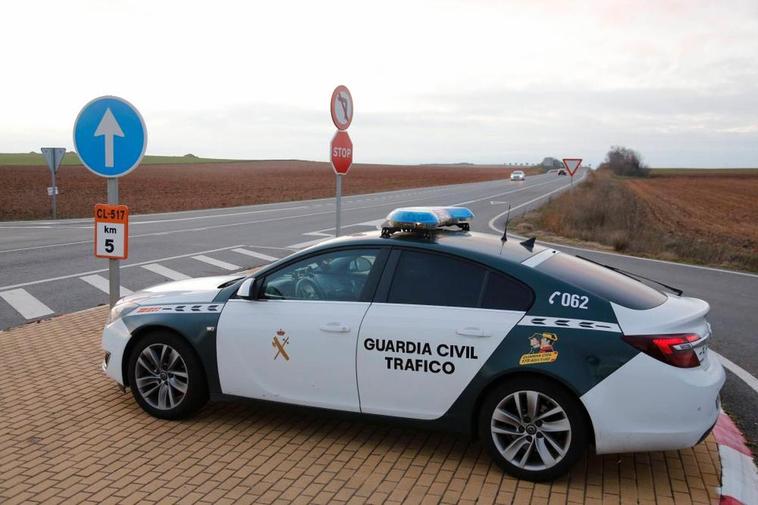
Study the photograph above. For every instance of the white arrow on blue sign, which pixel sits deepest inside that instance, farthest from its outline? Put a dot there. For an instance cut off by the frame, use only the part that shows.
(110, 136)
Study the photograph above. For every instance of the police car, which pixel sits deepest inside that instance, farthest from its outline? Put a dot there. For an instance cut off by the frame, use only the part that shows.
(539, 353)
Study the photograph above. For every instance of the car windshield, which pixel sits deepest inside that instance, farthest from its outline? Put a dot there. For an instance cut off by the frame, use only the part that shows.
(603, 282)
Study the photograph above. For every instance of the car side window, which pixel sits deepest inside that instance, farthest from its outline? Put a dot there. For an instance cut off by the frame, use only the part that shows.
(505, 293)
(336, 276)
(432, 279)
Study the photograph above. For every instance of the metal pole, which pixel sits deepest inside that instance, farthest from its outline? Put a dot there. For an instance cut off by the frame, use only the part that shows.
(55, 188)
(339, 204)
(113, 265)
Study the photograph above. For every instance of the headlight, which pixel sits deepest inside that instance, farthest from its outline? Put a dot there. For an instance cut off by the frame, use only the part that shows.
(120, 310)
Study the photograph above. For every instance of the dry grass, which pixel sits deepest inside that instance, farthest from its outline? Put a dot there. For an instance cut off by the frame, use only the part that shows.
(704, 219)
(163, 188)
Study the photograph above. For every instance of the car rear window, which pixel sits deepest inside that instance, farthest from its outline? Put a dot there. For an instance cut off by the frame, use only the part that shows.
(603, 282)
(504, 293)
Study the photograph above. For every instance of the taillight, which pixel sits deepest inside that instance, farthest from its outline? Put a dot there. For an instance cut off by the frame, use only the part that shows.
(675, 350)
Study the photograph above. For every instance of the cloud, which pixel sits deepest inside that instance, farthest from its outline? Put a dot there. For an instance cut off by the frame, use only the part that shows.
(443, 81)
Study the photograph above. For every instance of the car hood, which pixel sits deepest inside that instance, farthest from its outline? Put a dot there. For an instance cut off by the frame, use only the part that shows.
(200, 290)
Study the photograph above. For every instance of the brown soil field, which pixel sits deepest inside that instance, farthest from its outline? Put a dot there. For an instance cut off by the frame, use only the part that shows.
(164, 188)
(707, 219)
(723, 209)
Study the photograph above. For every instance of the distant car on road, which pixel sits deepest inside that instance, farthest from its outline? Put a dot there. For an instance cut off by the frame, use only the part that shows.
(538, 353)
(518, 175)
(562, 172)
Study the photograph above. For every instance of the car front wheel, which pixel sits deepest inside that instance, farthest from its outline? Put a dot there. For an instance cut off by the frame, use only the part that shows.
(533, 428)
(166, 377)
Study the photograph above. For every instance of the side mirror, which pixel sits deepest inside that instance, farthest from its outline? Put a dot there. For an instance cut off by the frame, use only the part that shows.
(247, 289)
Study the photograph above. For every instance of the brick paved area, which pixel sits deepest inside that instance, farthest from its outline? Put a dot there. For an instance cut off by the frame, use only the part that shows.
(67, 434)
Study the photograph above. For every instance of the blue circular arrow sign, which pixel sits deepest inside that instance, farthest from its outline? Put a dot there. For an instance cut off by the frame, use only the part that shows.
(110, 136)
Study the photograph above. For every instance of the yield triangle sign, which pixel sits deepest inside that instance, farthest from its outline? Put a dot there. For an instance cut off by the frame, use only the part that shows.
(572, 164)
(54, 157)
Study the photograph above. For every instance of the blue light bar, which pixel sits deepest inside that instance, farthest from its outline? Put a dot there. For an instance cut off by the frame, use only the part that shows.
(459, 214)
(427, 218)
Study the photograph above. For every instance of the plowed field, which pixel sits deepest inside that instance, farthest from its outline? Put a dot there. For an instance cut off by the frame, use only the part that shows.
(163, 188)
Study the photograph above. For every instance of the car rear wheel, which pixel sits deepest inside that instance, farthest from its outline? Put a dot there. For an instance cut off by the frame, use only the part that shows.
(533, 428)
(166, 377)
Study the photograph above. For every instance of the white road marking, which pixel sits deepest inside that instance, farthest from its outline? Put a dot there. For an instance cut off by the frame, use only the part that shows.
(738, 371)
(165, 272)
(373, 224)
(504, 193)
(216, 263)
(102, 284)
(212, 216)
(243, 223)
(129, 265)
(25, 304)
(308, 243)
(491, 223)
(261, 256)
(25, 227)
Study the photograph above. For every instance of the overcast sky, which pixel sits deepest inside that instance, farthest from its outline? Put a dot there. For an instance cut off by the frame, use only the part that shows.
(442, 81)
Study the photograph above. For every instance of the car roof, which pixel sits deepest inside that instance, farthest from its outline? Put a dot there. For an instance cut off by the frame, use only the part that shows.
(483, 246)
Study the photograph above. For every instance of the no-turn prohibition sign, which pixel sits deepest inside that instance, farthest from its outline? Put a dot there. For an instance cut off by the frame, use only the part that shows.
(342, 107)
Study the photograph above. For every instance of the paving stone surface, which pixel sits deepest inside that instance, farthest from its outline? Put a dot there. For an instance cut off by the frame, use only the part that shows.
(69, 435)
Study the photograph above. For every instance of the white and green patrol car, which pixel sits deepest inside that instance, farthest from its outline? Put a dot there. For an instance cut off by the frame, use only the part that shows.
(538, 353)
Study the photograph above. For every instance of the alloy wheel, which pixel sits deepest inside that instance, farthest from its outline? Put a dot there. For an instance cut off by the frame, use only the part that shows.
(531, 430)
(161, 376)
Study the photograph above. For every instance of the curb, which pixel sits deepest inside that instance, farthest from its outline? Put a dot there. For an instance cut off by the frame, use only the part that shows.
(739, 476)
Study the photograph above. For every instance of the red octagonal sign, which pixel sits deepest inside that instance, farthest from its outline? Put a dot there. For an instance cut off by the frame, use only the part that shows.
(341, 152)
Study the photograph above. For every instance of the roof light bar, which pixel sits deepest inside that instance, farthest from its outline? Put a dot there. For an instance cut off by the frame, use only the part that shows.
(425, 219)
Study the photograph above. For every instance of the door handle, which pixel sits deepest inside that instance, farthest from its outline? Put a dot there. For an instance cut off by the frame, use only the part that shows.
(471, 331)
(335, 327)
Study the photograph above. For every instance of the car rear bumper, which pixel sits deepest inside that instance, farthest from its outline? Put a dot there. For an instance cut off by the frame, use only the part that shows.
(647, 405)
(115, 337)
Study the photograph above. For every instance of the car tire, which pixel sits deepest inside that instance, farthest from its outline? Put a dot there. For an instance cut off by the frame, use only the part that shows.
(545, 439)
(166, 377)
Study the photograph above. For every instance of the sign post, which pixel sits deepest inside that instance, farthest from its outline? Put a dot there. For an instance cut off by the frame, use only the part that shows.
(110, 138)
(341, 147)
(54, 157)
(572, 164)
(341, 155)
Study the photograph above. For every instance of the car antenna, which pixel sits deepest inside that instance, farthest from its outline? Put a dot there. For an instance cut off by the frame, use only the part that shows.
(504, 238)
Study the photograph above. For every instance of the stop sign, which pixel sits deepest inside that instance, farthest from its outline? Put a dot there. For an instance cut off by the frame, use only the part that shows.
(341, 152)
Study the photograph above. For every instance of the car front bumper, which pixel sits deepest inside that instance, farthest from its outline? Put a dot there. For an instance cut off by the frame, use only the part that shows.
(115, 337)
(647, 405)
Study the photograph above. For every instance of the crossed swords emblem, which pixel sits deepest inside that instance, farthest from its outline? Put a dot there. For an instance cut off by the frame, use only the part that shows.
(279, 345)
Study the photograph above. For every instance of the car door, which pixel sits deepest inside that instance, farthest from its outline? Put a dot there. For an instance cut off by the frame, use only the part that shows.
(295, 341)
(436, 320)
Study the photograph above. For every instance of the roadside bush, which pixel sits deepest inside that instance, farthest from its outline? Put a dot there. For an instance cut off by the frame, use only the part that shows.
(598, 210)
(626, 215)
(624, 161)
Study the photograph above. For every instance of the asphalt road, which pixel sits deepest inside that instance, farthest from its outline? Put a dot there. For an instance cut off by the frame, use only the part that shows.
(48, 267)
